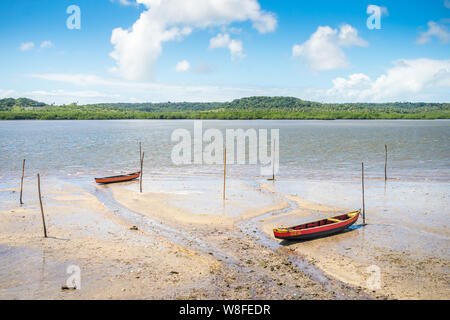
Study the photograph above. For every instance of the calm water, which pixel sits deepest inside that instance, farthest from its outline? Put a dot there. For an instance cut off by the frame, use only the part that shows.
(308, 149)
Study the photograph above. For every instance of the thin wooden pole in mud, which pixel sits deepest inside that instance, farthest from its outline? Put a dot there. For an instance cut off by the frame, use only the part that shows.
(224, 169)
(42, 208)
(362, 185)
(385, 162)
(21, 181)
(273, 161)
(142, 164)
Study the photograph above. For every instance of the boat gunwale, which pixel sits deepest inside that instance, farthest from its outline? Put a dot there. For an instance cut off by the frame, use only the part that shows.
(118, 178)
(335, 225)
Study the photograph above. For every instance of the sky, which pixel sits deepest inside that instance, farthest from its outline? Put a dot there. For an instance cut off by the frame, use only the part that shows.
(88, 51)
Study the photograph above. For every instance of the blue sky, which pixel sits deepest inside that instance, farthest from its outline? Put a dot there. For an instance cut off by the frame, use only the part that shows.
(200, 50)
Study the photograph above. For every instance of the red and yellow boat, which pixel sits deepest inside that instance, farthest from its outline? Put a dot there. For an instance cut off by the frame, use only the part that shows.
(121, 178)
(317, 229)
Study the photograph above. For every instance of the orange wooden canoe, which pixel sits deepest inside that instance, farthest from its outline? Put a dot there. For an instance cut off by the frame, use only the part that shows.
(121, 178)
(317, 229)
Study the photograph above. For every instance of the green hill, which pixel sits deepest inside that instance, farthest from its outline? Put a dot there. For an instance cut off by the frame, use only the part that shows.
(9, 103)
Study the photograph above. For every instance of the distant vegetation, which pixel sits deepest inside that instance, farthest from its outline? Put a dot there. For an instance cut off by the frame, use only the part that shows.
(9, 103)
(245, 108)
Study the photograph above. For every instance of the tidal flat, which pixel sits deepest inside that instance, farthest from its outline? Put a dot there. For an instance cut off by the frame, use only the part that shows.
(179, 240)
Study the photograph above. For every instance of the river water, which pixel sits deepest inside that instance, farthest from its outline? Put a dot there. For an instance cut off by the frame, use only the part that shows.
(418, 150)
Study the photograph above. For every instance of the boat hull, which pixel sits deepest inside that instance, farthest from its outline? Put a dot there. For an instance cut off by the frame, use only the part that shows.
(317, 229)
(121, 178)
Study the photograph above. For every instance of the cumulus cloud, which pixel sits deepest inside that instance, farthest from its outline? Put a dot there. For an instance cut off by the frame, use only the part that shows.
(224, 41)
(25, 46)
(323, 50)
(136, 50)
(182, 66)
(434, 30)
(405, 80)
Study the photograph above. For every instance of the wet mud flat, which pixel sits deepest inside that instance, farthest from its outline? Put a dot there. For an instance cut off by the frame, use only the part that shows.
(174, 241)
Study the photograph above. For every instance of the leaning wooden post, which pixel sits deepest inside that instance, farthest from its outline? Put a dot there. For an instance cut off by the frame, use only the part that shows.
(385, 162)
(142, 164)
(21, 181)
(42, 208)
(362, 185)
(224, 169)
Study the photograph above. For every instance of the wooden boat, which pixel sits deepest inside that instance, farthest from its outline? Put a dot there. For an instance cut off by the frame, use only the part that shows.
(121, 178)
(318, 228)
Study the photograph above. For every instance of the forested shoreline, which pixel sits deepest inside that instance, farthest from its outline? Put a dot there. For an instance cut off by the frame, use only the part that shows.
(268, 108)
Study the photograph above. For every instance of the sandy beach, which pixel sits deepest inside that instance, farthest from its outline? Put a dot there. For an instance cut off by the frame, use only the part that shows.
(190, 245)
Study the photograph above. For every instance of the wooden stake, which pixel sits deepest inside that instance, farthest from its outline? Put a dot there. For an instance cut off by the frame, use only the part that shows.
(42, 208)
(273, 161)
(142, 164)
(385, 162)
(224, 169)
(362, 185)
(21, 181)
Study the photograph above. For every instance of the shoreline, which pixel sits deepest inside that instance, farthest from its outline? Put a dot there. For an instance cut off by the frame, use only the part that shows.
(90, 225)
(227, 119)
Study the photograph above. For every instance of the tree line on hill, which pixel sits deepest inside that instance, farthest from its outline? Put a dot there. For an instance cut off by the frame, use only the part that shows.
(245, 108)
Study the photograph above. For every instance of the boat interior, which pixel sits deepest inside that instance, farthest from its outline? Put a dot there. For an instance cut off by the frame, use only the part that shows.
(323, 222)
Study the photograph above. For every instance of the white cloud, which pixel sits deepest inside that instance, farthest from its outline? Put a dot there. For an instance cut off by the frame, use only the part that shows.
(25, 46)
(434, 30)
(348, 36)
(8, 94)
(407, 80)
(323, 50)
(71, 94)
(62, 96)
(46, 44)
(132, 91)
(136, 50)
(224, 41)
(447, 4)
(182, 66)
